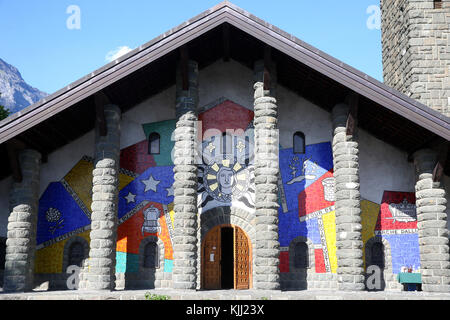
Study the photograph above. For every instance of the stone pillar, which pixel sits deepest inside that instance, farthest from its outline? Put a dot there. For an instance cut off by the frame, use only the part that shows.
(266, 253)
(21, 241)
(349, 243)
(185, 185)
(99, 274)
(431, 223)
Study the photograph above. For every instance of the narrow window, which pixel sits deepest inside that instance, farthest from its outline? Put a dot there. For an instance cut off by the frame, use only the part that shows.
(247, 150)
(378, 255)
(151, 258)
(299, 142)
(301, 255)
(76, 254)
(153, 143)
(437, 4)
(227, 142)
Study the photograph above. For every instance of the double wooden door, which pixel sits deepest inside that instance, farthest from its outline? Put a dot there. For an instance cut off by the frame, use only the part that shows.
(212, 259)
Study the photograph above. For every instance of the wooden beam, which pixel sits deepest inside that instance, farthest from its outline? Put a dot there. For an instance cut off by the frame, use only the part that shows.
(101, 99)
(352, 121)
(421, 146)
(13, 148)
(184, 58)
(438, 170)
(267, 67)
(226, 42)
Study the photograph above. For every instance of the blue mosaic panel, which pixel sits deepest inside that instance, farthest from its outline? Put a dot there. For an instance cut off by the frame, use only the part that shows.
(127, 262)
(58, 214)
(168, 265)
(154, 184)
(290, 228)
(404, 250)
(299, 171)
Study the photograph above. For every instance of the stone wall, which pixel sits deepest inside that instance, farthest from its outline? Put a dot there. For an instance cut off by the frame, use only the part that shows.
(416, 50)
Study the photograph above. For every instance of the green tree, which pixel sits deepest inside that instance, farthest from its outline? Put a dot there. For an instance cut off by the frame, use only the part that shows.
(4, 113)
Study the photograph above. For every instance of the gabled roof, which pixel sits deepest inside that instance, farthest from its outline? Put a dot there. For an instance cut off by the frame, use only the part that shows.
(300, 66)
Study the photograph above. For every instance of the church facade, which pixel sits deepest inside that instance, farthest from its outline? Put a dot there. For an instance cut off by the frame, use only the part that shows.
(226, 154)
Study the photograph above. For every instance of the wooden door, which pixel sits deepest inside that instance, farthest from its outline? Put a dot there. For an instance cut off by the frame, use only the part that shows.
(211, 259)
(241, 260)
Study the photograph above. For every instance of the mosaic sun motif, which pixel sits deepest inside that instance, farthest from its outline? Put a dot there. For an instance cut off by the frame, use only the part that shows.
(225, 180)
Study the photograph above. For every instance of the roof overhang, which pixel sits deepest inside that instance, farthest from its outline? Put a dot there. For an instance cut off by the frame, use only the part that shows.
(286, 45)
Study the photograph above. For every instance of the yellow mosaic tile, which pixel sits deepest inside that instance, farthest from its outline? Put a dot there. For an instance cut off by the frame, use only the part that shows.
(329, 225)
(369, 216)
(50, 259)
(80, 180)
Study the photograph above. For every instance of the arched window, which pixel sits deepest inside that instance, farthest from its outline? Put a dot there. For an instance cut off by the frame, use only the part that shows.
(76, 254)
(151, 255)
(299, 142)
(378, 254)
(154, 140)
(301, 255)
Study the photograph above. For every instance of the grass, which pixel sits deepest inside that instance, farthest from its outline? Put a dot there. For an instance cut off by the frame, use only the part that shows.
(152, 296)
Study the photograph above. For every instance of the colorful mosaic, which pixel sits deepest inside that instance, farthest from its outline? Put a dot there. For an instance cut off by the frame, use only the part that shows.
(397, 223)
(307, 204)
(226, 178)
(307, 209)
(145, 206)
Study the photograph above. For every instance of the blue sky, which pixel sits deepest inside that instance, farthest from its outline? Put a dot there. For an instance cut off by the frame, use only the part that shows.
(36, 40)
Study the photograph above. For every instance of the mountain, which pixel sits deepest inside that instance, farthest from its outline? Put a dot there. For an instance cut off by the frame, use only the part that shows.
(16, 94)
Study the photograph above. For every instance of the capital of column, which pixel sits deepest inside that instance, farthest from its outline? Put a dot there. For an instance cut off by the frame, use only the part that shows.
(187, 100)
(425, 160)
(339, 115)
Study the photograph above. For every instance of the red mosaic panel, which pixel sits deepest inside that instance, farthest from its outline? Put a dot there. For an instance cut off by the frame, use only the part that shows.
(320, 261)
(312, 198)
(227, 115)
(129, 233)
(135, 158)
(386, 219)
(284, 261)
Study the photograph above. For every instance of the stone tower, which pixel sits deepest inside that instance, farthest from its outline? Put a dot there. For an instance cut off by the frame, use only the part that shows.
(416, 50)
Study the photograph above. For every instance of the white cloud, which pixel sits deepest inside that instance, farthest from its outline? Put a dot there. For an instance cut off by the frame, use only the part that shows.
(116, 53)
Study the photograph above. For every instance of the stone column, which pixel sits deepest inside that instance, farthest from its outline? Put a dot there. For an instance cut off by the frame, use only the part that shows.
(21, 241)
(431, 223)
(185, 185)
(349, 243)
(266, 253)
(100, 271)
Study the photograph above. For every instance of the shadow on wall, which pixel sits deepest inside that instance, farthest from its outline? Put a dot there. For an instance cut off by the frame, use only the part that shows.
(2, 259)
(140, 271)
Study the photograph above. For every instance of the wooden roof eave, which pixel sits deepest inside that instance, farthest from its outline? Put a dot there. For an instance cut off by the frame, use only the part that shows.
(270, 35)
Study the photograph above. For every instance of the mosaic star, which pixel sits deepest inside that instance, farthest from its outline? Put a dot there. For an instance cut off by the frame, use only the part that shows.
(169, 191)
(130, 197)
(150, 184)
